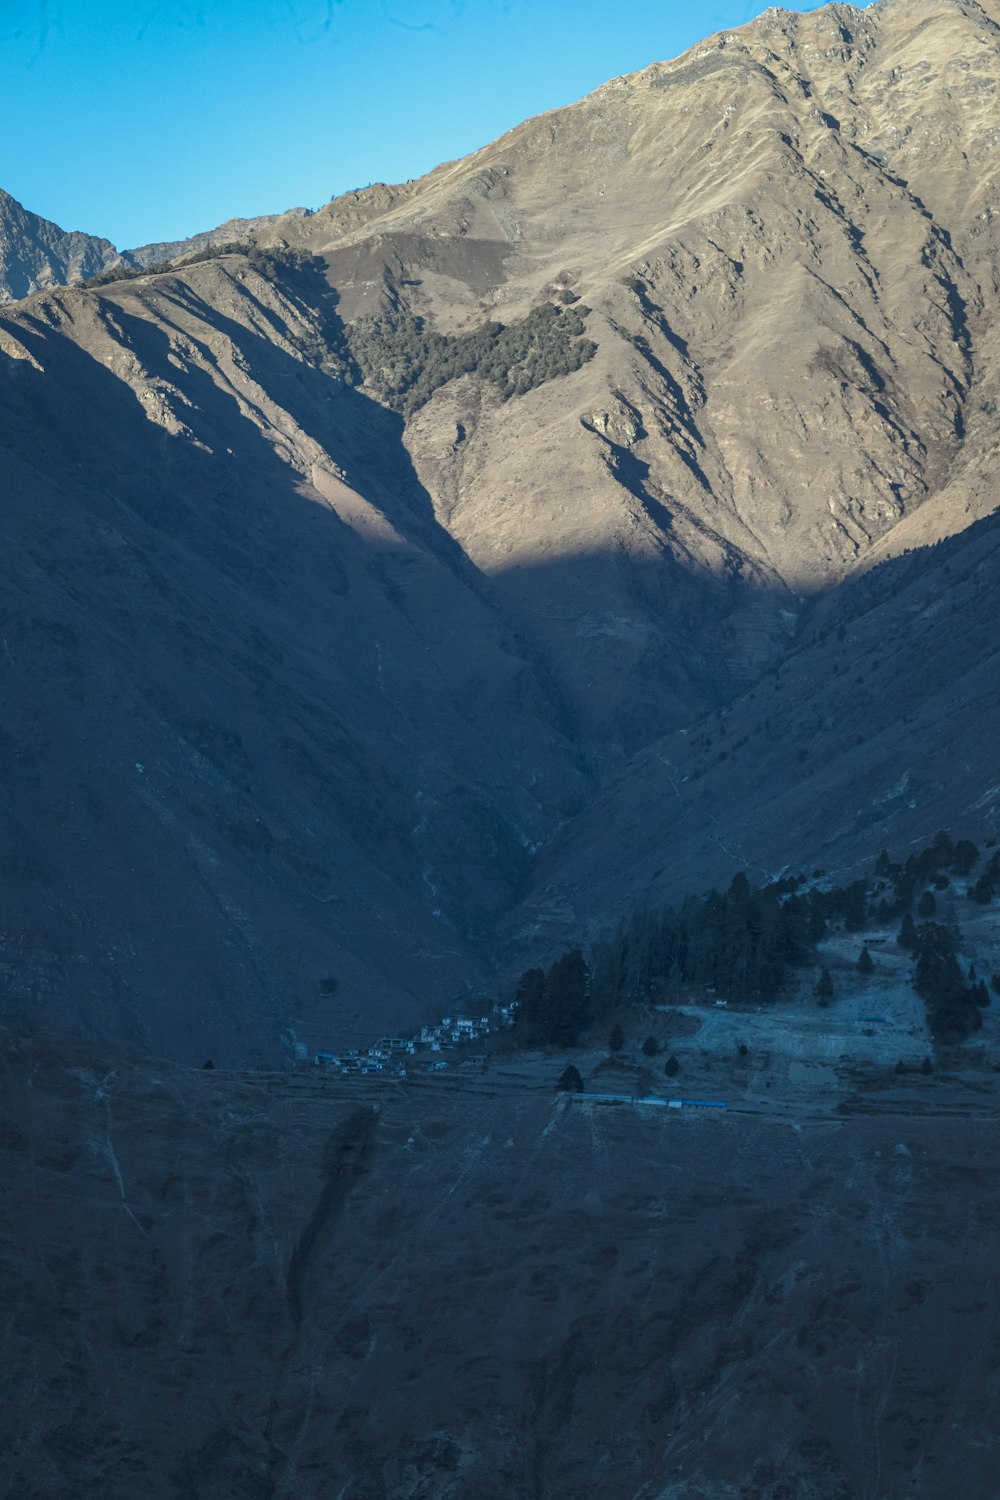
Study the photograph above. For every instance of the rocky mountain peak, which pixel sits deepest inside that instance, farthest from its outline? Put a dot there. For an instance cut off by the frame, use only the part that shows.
(35, 253)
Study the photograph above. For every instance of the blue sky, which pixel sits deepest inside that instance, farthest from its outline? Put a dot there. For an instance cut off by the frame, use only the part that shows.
(151, 119)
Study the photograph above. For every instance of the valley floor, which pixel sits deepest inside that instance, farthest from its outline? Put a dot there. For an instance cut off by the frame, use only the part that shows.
(292, 1286)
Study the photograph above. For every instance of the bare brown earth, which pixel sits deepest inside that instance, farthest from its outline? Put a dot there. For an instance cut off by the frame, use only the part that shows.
(315, 715)
(223, 1287)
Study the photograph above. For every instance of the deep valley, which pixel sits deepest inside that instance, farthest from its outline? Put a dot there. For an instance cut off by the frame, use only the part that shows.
(560, 580)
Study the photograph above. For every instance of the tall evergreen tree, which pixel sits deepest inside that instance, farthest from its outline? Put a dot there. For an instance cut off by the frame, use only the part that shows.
(566, 983)
(824, 987)
(533, 1009)
(855, 906)
(570, 1081)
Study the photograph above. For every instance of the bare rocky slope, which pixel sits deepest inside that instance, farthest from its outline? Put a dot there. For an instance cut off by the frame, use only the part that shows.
(320, 710)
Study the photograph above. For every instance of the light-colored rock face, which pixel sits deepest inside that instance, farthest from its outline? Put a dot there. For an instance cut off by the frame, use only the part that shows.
(786, 239)
(301, 690)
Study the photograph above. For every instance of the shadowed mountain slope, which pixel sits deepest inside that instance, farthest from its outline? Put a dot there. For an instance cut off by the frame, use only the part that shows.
(333, 661)
(254, 713)
(878, 725)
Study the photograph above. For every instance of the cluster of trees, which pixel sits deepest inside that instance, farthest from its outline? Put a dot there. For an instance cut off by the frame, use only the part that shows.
(936, 863)
(396, 354)
(953, 1001)
(953, 1005)
(741, 942)
(405, 362)
(744, 942)
(554, 1004)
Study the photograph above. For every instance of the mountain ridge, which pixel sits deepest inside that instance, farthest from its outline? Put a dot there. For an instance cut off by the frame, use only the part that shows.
(412, 685)
(36, 254)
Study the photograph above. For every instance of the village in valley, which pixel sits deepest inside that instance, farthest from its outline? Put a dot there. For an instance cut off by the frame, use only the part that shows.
(866, 1050)
(395, 1057)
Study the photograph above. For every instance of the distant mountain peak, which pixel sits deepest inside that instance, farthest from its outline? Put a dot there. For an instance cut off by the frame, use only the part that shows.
(35, 253)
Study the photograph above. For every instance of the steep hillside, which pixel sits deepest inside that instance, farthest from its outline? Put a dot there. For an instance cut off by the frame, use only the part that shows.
(267, 739)
(355, 646)
(878, 725)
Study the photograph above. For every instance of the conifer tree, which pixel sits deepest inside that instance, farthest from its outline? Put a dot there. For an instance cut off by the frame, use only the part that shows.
(570, 1081)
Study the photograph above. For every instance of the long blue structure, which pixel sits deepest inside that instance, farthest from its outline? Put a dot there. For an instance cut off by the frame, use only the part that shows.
(655, 1099)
